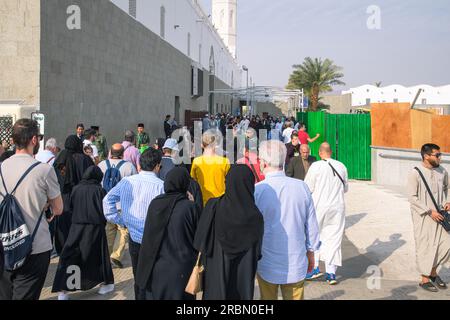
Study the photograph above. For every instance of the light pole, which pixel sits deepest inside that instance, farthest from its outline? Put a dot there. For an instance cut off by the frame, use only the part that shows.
(246, 70)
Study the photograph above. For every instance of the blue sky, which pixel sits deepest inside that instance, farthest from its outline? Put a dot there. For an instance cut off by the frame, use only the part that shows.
(412, 47)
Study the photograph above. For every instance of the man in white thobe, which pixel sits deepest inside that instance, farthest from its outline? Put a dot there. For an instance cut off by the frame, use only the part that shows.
(328, 181)
(432, 241)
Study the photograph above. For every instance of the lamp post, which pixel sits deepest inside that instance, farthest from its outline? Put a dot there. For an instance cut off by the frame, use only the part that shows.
(246, 70)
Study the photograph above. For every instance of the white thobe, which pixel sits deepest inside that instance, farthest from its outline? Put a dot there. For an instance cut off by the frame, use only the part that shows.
(328, 196)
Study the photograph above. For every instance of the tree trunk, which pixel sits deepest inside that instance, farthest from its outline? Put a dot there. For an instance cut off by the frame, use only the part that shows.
(314, 97)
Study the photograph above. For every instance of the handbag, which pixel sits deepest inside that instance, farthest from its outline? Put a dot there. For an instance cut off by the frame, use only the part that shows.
(446, 223)
(195, 284)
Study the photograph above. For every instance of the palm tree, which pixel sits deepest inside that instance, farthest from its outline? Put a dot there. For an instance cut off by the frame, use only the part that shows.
(315, 76)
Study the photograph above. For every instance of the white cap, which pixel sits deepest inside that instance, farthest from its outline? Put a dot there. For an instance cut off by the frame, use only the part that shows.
(171, 144)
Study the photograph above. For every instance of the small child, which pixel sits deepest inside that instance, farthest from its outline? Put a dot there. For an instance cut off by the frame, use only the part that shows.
(86, 248)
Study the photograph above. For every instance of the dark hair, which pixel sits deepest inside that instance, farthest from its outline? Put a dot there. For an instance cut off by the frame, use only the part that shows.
(150, 159)
(294, 134)
(80, 125)
(23, 132)
(168, 116)
(89, 133)
(141, 125)
(428, 149)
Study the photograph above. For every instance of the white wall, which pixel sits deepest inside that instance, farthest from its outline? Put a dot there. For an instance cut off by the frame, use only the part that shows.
(190, 18)
(391, 167)
(433, 95)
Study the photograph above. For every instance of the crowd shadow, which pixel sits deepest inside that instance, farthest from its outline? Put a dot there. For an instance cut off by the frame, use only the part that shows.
(350, 221)
(356, 263)
(333, 295)
(402, 293)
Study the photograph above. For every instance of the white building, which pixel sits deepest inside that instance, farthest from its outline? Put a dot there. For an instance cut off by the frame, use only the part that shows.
(183, 23)
(430, 96)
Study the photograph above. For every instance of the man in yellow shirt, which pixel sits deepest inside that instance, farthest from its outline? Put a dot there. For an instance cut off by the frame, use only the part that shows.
(209, 170)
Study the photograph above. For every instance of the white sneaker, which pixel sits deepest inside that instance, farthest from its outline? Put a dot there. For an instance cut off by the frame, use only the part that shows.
(63, 296)
(105, 289)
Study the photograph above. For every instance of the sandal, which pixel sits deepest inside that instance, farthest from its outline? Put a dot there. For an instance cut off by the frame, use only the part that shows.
(429, 286)
(438, 281)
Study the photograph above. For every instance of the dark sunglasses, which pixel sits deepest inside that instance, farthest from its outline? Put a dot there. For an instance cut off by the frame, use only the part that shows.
(437, 155)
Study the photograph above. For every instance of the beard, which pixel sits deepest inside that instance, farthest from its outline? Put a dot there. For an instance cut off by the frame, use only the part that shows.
(36, 149)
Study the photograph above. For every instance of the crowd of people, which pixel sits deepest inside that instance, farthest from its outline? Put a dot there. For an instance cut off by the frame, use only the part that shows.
(271, 215)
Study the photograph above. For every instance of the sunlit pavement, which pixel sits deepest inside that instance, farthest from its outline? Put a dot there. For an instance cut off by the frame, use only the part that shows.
(378, 241)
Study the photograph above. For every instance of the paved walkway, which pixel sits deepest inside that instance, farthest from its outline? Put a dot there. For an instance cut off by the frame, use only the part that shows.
(378, 238)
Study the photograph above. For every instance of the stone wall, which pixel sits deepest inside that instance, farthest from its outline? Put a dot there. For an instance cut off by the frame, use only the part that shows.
(19, 50)
(114, 72)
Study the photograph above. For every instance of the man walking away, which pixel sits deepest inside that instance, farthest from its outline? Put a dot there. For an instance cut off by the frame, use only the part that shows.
(291, 233)
(135, 194)
(120, 169)
(48, 155)
(169, 149)
(432, 241)
(131, 153)
(38, 190)
(328, 181)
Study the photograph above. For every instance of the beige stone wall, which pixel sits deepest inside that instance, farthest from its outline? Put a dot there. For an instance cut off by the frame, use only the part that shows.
(338, 103)
(20, 50)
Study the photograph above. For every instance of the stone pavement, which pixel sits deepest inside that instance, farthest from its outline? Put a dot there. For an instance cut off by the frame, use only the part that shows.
(378, 237)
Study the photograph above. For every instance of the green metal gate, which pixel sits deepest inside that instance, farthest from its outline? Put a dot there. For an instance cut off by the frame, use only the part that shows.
(349, 136)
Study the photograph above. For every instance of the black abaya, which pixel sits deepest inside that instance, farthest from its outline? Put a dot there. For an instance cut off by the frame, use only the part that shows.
(70, 166)
(229, 236)
(86, 245)
(167, 255)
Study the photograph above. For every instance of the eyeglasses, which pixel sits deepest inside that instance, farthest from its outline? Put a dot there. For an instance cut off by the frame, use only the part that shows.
(437, 155)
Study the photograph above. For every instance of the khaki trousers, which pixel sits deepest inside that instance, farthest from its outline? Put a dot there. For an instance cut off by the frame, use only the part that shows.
(111, 234)
(269, 291)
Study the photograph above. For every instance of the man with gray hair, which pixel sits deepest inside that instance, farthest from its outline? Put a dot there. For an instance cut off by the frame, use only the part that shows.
(131, 153)
(328, 181)
(49, 154)
(291, 233)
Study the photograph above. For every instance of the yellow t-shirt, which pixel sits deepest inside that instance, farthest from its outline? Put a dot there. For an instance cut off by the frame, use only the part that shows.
(210, 174)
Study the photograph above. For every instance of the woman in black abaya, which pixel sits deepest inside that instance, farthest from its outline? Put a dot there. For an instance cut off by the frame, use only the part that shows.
(70, 166)
(229, 235)
(167, 255)
(86, 246)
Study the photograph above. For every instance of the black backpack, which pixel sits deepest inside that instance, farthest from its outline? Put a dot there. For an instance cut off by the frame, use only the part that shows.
(15, 237)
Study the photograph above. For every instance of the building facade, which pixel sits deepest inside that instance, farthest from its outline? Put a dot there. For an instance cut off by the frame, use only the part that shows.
(430, 96)
(107, 63)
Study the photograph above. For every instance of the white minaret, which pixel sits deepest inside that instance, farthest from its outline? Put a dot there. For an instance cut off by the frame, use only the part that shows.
(224, 18)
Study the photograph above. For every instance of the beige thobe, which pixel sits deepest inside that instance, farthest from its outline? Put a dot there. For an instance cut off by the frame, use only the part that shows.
(432, 241)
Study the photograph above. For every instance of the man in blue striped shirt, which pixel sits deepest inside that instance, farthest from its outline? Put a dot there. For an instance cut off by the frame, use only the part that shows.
(135, 194)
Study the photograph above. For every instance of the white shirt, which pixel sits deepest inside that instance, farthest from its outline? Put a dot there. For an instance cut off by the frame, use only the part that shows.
(94, 148)
(287, 133)
(326, 187)
(46, 156)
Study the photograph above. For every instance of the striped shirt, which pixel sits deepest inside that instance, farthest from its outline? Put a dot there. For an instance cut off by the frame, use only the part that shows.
(135, 194)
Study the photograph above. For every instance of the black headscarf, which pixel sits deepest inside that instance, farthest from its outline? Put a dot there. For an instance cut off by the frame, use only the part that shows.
(92, 175)
(74, 161)
(233, 220)
(86, 200)
(159, 212)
